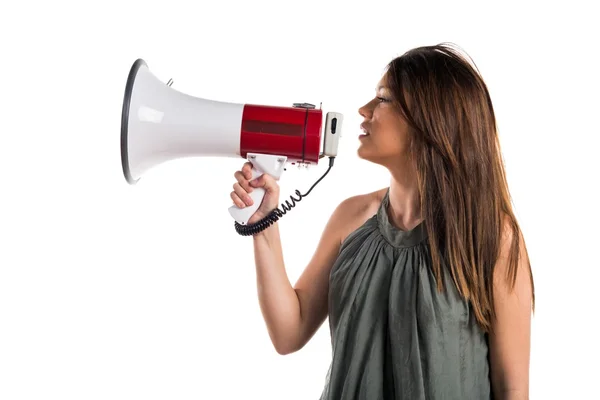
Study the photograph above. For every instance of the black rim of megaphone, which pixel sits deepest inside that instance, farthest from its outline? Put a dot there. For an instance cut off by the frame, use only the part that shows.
(125, 118)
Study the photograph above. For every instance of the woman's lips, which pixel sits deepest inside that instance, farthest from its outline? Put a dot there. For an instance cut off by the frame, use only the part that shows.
(365, 130)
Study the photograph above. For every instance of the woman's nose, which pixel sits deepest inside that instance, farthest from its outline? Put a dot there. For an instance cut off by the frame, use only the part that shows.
(365, 111)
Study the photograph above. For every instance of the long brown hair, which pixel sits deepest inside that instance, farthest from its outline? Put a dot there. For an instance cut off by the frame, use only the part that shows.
(462, 182)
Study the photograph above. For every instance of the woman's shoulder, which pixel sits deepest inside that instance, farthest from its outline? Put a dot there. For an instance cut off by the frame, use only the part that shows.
(364, 202)
(354, 211)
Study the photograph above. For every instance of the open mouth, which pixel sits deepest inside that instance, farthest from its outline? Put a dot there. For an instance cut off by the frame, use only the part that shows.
(364, 130)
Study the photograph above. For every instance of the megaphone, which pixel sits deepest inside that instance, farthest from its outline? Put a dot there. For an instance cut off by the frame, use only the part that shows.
(159, 124)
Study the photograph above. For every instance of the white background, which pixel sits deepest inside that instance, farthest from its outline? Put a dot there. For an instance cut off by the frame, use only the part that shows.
(110, 291)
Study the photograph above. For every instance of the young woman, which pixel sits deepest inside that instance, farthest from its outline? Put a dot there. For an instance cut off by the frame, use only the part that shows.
(426, 283)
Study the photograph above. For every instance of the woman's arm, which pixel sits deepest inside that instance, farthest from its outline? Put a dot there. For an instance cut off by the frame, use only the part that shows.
(293, 314)
(510, 338)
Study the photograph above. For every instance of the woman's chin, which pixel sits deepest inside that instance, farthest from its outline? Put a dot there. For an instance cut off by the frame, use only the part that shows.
(370, 154)
(362, 152)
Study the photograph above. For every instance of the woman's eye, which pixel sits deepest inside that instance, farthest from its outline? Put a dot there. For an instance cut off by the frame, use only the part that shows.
(381, 99)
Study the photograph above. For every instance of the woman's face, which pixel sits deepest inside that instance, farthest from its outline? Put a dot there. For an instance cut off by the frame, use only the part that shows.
(385, 138)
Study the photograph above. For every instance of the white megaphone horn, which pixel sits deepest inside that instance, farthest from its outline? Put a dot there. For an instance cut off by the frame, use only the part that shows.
(159, 123)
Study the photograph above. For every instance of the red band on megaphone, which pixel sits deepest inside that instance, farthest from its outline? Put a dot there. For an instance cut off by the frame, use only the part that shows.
(286, 131)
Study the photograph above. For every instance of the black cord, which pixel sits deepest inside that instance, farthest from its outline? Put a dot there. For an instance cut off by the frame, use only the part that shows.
(273, 216)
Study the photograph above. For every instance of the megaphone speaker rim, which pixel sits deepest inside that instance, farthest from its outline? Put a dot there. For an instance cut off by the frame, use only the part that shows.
(125, 119)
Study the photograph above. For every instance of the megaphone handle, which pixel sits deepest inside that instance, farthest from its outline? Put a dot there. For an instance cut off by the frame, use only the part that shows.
(273, 165)
(242, 215)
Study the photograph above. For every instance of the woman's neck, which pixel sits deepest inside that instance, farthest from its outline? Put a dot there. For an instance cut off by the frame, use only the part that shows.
(404, 204)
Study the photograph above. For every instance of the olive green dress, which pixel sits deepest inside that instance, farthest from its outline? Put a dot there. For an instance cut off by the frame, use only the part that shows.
(394, 335)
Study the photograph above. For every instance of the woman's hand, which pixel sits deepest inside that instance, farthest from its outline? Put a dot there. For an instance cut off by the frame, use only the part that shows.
(244, 186)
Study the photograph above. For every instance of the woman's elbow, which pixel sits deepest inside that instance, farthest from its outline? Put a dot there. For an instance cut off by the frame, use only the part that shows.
(285, 347)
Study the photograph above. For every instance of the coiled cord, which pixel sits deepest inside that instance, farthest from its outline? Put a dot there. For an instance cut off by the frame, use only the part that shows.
(276, 214)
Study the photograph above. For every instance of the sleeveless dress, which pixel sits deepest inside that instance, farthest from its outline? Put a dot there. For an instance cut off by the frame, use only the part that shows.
(393, 334)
